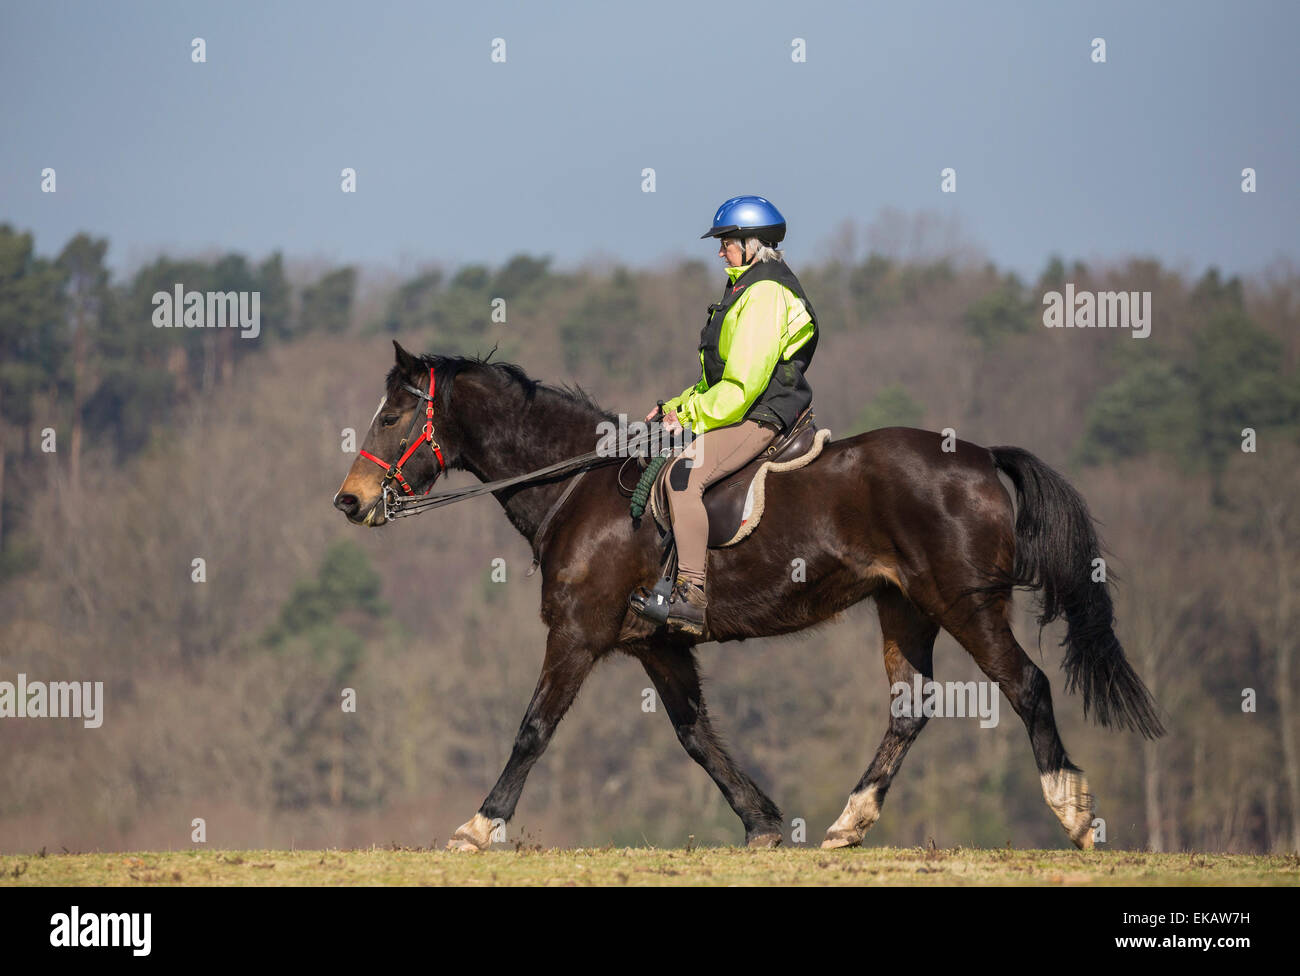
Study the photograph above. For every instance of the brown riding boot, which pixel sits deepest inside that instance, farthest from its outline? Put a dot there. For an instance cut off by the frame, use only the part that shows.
(686, 607)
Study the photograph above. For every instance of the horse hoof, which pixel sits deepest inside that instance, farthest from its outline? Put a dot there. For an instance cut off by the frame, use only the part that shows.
(463, 844)
(837, 839)
(1066, 792)
(475, 835)
(764, 840)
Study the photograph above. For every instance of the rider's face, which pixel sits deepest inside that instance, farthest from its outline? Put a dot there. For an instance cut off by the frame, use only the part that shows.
(732, 251)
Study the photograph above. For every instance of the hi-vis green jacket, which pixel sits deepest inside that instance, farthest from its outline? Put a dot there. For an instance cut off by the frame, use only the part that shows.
(751, 353)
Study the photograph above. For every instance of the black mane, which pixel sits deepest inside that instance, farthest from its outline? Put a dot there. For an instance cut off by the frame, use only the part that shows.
(447, 368)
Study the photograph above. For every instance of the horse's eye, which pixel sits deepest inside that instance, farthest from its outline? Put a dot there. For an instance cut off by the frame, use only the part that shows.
(389, 419)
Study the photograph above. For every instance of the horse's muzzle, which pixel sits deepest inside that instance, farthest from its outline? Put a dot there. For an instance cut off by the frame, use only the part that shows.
(350, 505)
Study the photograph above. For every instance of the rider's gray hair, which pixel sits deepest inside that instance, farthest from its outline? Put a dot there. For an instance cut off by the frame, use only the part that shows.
(761, 252)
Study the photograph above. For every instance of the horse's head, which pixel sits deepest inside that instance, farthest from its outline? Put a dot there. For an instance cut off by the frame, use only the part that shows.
(410, 442)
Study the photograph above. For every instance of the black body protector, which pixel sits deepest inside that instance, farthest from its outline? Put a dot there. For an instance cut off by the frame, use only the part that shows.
(788, 393)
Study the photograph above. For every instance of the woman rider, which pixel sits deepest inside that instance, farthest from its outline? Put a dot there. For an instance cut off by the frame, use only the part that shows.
(754, 351)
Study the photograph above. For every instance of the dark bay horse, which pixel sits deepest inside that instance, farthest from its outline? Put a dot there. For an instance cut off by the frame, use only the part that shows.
(924, 527)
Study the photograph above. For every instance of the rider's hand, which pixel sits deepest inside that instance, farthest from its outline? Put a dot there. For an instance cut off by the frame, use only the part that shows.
(671, 423)
(651, 415)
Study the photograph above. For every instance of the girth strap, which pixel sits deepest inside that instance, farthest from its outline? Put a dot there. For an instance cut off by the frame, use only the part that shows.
(539, 538)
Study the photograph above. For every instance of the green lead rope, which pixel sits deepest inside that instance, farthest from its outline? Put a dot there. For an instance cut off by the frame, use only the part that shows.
(642, 493)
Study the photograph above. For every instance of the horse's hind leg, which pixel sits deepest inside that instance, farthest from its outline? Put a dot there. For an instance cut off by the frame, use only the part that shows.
(909, 649)
(672, 668)
(988, 637)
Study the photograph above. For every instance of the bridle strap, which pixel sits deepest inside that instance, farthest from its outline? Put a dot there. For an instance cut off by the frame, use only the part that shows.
(393, 472)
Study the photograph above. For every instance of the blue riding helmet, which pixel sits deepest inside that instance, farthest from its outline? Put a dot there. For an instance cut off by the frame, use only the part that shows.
(748, 216)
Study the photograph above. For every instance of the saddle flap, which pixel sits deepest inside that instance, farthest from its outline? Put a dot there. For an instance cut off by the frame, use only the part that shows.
(732, 514)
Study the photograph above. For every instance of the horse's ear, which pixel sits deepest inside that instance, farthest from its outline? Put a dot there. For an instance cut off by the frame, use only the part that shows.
(405, 361)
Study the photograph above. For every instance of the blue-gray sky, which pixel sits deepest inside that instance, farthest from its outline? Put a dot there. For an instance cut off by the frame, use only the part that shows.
(462, 159)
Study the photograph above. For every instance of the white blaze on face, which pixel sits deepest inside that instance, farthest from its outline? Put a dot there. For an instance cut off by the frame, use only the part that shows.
(382, 401)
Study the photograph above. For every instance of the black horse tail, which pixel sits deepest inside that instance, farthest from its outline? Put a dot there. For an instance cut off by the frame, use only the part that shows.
(1055, 548)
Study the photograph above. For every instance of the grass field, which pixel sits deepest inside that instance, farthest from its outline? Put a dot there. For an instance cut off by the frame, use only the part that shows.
(649, 866)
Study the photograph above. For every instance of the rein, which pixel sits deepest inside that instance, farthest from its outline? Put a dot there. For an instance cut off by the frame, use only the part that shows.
(396, 506)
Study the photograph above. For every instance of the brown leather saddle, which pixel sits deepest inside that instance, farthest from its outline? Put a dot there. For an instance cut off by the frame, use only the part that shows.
(735, 503)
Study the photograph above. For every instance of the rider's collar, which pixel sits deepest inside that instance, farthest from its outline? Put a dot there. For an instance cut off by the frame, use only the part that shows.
(736, 272)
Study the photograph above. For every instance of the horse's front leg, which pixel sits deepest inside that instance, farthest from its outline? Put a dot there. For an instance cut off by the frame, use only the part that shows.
(567, 664)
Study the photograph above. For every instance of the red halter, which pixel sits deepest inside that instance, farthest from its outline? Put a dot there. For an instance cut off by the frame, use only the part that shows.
(394, 471)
